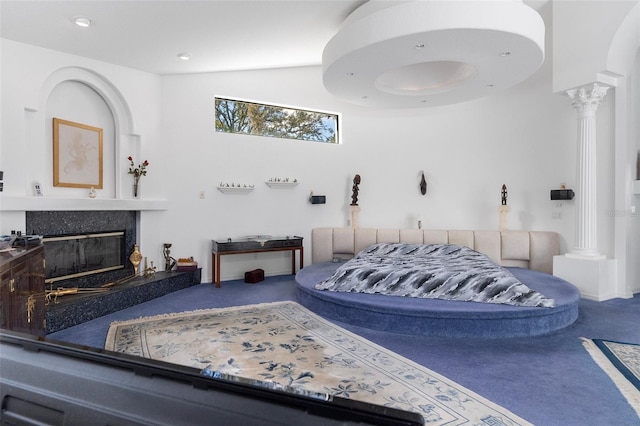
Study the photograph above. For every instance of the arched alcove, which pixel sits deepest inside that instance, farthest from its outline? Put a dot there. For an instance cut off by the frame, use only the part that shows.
(38, 122)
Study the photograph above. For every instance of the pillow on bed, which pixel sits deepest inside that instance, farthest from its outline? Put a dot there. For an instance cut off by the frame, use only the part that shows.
(436, 271)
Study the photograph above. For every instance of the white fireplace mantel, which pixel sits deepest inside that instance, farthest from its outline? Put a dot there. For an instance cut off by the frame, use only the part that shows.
(10, 203)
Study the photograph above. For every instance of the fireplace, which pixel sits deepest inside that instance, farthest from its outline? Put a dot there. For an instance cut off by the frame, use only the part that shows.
(85, 248)
(74, 242)
(79, 255)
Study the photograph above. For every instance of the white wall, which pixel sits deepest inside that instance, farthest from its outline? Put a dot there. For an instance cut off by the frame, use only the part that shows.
(633, 172)
(581, 50)
(524, 138)
(582, 56)
(77, 102)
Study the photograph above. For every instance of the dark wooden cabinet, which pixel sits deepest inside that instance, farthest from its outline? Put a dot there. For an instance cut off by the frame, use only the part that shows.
(22, 302)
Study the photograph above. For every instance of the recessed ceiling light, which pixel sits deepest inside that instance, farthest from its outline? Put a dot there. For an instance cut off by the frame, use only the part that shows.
(81, 21)
(184, 56)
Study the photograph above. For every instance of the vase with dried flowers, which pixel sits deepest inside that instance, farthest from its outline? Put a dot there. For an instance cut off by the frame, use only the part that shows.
(137, 172)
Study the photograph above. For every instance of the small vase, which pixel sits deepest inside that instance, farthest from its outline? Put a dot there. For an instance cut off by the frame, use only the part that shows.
(136, 187)
(135, 259)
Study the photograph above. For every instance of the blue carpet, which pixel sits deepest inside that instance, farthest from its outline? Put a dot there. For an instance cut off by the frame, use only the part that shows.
(547, 380)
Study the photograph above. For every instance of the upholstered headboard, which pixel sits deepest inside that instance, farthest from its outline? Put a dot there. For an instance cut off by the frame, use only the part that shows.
(526, 249)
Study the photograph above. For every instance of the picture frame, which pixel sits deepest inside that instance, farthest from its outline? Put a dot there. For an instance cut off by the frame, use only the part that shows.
(77, 155)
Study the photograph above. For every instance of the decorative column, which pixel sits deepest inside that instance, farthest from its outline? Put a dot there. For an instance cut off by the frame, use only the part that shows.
(355, 216)
(586, 103)
(503, 223)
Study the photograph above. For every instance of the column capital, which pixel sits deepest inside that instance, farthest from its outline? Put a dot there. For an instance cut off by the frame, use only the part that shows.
(586, 100)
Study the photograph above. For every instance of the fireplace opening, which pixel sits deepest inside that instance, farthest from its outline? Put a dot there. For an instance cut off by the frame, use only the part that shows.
(80, 255)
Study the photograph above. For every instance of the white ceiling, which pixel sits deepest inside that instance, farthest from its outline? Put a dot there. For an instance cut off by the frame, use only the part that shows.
(148, 35)
(220, 35)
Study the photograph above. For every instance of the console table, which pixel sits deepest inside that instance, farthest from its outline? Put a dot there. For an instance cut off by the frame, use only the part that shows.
(257, 244)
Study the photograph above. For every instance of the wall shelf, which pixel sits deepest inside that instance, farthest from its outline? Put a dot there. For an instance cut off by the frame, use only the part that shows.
(11, 203)
(235, 189)
(281, 185)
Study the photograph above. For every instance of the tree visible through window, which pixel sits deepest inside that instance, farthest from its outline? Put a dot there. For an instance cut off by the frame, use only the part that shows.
(235, 116)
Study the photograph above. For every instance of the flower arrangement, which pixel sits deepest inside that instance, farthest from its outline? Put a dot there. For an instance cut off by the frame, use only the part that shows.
(137, 172)
(140, 170)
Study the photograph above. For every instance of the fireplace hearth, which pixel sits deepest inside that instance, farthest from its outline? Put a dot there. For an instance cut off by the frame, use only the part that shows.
(83, 235)
(75, 309)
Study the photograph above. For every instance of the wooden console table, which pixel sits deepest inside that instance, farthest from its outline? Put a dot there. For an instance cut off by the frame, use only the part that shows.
(258, 244)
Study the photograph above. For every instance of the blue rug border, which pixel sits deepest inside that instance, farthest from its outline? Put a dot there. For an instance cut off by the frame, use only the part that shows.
(632, 378)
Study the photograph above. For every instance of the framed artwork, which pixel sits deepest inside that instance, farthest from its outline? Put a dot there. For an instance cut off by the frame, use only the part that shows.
(77, 155)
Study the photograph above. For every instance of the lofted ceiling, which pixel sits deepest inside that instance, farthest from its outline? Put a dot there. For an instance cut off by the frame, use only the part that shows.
(148, 35)
(232, 35)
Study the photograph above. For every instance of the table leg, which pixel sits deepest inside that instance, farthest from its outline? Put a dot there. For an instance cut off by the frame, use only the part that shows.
(218, 270)
(215, 269)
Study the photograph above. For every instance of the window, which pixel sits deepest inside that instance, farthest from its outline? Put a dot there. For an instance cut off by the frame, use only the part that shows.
(251, 118)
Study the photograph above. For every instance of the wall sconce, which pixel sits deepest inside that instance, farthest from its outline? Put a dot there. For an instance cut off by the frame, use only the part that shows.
(317, 199)
(562, 194)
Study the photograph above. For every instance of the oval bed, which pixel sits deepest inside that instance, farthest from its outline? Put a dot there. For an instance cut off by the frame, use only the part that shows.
(516, 250)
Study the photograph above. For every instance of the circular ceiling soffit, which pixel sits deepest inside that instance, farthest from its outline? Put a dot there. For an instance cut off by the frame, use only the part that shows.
(425, 78)
(432, 52)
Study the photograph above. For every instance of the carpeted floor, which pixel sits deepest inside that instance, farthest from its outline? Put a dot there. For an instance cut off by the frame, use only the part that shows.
(547, 380)
(621, 361)
(286, 344)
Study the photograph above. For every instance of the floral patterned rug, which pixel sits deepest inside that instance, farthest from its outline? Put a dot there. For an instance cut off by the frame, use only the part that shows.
(621, 362)
(285, 343)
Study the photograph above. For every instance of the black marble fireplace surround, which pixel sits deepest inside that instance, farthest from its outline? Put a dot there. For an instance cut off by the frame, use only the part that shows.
(57, 223)
(70, 310)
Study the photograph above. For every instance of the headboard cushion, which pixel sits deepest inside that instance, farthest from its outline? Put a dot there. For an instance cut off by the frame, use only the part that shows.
(461, 238)
(515, 245)
(488, 242)
(435, 236)
(343, 241)
(527, 249)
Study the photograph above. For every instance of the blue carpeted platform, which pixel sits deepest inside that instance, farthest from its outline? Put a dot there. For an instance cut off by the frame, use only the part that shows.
(431, 317)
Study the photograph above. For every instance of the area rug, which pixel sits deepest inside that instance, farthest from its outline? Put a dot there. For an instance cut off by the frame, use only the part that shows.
(621, 361)
(288, 345)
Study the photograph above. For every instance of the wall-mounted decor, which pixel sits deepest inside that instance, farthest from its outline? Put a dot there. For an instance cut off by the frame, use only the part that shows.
(77, 155)
(562, 194)
(355, 189)
(282, 182)
(318, 199)
(37, 189)
(235, 188)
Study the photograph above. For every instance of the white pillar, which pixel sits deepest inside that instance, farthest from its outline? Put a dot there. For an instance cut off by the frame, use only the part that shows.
(503, 223)
(355, 216)
(586, 103)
